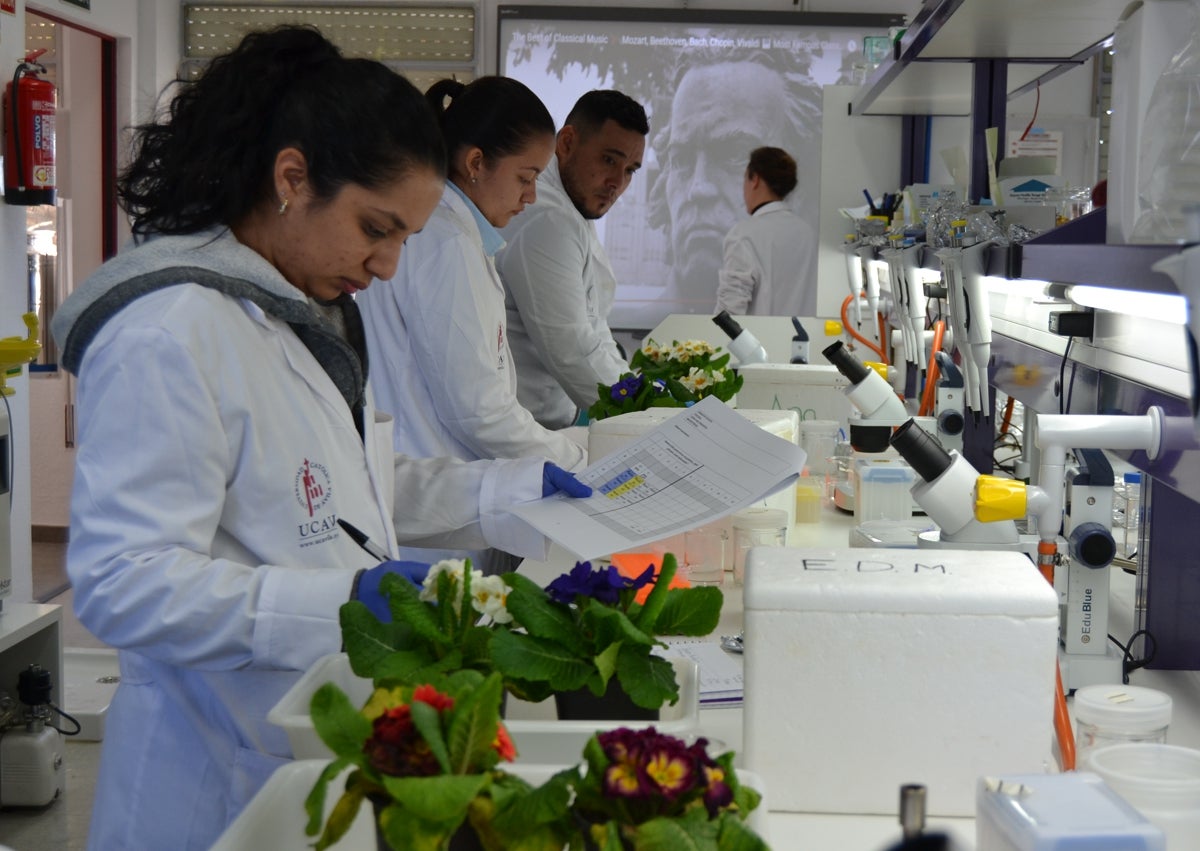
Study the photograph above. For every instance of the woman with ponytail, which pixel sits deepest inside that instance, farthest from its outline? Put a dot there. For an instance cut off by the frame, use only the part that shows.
(436, 331)
(226, 431)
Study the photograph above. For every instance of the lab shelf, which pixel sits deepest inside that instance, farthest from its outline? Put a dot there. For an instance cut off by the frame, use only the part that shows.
(1076, 253)
(931, 71)
(30, 634)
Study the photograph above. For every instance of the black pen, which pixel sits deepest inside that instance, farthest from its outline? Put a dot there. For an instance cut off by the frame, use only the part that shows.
(363, 541)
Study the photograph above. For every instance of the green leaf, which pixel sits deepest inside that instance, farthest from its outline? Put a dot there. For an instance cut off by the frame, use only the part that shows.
(607, 837)
(539, 615)
(690, 611)
(341, 817)
(368, 639)
(407, 607)
(606, 664)
(521, 807)
(428, 722)
(528, 690)
(690, 832)
(647, 618)
(314, 803)
(473, 727)
(610, 626)
(402, 665)
(445, 613)
(339, 723)
(648, 680)
(440, 799)
(734, 835)
(525, 657)
(404, 830)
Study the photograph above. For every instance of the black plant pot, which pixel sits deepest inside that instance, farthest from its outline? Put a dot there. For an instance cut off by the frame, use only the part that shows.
(613, 705)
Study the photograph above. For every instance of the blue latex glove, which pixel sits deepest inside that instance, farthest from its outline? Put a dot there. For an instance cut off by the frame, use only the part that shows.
(366, 588)
(555, 478)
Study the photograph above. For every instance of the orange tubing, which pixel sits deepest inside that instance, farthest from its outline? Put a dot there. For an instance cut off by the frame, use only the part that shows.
(850, 330)
(1062, 719)
(1062, 723)
(929, 397)
(1008, 412)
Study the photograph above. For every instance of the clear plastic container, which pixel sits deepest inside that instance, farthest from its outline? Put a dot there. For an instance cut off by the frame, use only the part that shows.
(1133, 513)
(810, 496)
(1161, 781)
(756, 527)
(882, 490)
(704, 554)
(1117, 714)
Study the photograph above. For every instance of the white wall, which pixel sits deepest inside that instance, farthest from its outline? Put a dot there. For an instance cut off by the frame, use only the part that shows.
(141, 28)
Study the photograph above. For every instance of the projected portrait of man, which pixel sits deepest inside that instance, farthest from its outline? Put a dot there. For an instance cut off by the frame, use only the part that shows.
(722, 109)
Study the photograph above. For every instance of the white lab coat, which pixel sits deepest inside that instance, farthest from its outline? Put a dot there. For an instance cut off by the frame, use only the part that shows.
(559, 289)
(215, 456)
(438, 346)
(766, 260)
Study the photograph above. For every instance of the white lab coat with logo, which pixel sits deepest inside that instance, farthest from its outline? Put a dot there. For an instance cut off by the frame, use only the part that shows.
(215, 457)
(559, 289)
(438, 346)
(767, 260)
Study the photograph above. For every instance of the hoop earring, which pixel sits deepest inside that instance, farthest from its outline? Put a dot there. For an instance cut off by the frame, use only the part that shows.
(283, 205)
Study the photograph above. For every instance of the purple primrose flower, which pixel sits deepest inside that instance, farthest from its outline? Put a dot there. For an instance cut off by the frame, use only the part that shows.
(603, 584)
(626, 388)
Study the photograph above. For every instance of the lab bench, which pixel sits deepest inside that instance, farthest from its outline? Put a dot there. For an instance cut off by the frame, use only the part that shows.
(877, 832)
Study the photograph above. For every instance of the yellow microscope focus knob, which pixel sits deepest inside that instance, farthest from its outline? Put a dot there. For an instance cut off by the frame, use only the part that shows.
(880, 368)
(999, 499)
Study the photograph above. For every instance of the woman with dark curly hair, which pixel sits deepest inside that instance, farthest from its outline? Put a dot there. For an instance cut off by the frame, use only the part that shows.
(226, 428)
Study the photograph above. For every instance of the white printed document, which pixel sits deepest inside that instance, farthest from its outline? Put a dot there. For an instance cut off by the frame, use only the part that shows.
(705, 462)
(720, 671)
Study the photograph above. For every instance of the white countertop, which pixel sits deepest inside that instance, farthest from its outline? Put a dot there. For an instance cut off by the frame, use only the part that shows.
(874, 833)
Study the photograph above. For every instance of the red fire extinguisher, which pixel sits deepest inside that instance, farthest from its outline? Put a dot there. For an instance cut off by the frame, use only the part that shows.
(29, 135)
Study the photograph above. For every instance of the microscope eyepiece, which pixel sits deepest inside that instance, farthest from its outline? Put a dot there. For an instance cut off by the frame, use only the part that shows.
(921, 450)
(846, 363)
(727, 324)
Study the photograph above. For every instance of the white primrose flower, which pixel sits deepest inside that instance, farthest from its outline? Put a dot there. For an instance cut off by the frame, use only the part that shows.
(454, 567)
(697, 348)
(489, 595)
(696, 380)
(653, 351)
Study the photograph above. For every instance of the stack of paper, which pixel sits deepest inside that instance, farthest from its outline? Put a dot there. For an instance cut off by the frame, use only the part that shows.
(720, 670)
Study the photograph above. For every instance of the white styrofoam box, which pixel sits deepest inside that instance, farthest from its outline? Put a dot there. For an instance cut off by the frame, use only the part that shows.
(275, 817)
(608, 435)
(90, 678)
(1058, 812)
(539, 736)
(867, 670)
(813, 391)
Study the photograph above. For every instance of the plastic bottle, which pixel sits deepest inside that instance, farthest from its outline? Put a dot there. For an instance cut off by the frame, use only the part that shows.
(1133, 512)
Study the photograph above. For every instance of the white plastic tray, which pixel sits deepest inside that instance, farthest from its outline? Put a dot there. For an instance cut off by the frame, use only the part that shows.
(90, 677)
(275, 817)
(541, 739)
